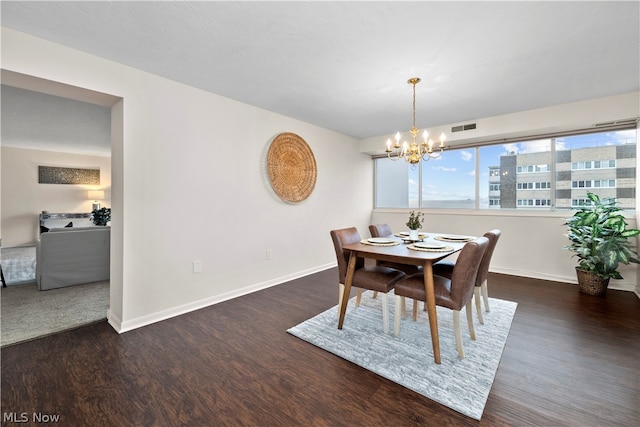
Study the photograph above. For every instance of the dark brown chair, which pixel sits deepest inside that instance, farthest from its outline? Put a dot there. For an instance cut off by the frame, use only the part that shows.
(454, 293)
(383, 230)
(445, 268)
(375, 278)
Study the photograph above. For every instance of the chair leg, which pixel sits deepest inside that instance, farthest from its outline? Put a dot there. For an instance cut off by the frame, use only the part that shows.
(359, 297)
(385, 313)
(396, 316)
(476, 297)
(403, 308)
(456, 332)
(415, 310)
(472, 331)
(485, 295)
(340, 292)
(375, 294)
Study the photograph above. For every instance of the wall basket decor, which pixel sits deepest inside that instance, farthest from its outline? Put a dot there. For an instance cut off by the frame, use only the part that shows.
(292, 167)
(56, 175)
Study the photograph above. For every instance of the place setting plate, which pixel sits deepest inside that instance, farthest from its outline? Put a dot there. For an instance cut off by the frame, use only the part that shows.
(454, 238)
(380, 241)
(430, 247)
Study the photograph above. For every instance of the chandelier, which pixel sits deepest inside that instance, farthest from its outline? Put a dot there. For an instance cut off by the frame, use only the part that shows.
(414, 152)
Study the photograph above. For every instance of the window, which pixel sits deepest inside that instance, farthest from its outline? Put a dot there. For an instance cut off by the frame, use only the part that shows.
(450, 181)
(551, 173)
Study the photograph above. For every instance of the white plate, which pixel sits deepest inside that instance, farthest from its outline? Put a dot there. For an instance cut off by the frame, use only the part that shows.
(380, 240)
(423, 245)
(456, 237)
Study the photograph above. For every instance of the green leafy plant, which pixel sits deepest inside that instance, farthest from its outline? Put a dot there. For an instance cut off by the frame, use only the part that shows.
(101, 216)
(599, 238)
(415, 220)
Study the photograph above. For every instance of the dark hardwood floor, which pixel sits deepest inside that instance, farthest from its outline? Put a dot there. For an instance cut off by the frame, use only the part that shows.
(570, 360)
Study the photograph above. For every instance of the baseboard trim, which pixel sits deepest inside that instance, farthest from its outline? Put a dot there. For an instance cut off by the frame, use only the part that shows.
(619, 285)
(119, 326)
(141, 321)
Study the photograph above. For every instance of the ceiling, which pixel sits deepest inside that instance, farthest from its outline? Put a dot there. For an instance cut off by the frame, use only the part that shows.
(344, 65)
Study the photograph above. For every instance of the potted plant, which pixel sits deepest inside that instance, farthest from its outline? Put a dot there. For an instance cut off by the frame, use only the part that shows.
(101, 216)
(599, 238)
(414, 224)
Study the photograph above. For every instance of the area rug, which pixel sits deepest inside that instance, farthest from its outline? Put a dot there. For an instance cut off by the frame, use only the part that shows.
(462, 385)
(28, 313)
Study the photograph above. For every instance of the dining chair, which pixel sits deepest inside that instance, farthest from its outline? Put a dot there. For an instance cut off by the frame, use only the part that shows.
(445, 268)
(375, 278)
(384, 230)
(453, 293)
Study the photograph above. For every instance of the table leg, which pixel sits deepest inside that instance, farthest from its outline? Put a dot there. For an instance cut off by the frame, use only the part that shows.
(347, 288)
(431, 310)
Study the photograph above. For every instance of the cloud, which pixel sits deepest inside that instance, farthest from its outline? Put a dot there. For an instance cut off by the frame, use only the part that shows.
(466, 155)
(444, 169)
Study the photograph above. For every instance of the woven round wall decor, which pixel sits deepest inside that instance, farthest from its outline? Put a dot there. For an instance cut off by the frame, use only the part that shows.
(292, 167)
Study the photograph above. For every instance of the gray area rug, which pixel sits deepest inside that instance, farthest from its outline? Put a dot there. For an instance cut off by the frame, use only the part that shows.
(462, 385)
(28, 313)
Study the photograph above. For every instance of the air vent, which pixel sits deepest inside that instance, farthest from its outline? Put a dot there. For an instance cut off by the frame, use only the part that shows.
(462, 128)
(620, 122)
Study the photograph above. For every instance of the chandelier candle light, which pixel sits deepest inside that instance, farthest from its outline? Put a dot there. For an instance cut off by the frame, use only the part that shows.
(414, 152)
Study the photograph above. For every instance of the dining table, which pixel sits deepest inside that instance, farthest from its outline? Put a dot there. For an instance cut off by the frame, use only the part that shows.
(398, 248)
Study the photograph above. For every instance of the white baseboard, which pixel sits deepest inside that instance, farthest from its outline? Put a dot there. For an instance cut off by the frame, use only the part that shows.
(620, 285)
(141, 321)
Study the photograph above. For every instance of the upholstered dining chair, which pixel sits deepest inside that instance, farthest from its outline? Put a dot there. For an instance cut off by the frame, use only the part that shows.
(453, 293)
(445, 268)
(375, 278)
(384, 230)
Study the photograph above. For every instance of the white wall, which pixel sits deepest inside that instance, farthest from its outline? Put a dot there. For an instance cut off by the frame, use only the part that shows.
(23, 198)
(188, 184)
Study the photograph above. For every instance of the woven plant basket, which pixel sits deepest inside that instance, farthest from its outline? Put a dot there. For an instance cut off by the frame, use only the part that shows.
(590, 283)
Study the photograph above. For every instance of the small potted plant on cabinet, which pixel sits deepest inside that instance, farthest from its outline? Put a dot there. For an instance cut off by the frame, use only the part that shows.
(414, 224)
(599, 238)
(101, 216)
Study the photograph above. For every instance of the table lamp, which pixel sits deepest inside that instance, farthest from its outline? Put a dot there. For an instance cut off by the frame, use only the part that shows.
(96, 196)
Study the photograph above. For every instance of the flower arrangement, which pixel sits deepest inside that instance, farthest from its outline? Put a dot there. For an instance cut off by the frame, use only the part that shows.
(415, 220)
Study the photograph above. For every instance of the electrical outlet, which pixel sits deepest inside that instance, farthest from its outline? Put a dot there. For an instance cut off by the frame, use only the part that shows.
(269, 254)
(197, 266)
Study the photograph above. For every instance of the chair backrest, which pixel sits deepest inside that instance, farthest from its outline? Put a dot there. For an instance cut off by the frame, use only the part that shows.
(463, 278)
(483, 270)
(340, 238)
(380, 230)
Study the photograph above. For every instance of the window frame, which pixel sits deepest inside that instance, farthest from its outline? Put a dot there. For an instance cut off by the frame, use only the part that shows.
(535, 211)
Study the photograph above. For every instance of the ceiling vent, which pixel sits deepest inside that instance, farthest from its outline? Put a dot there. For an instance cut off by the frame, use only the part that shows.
(620, 122)
(462, 128)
